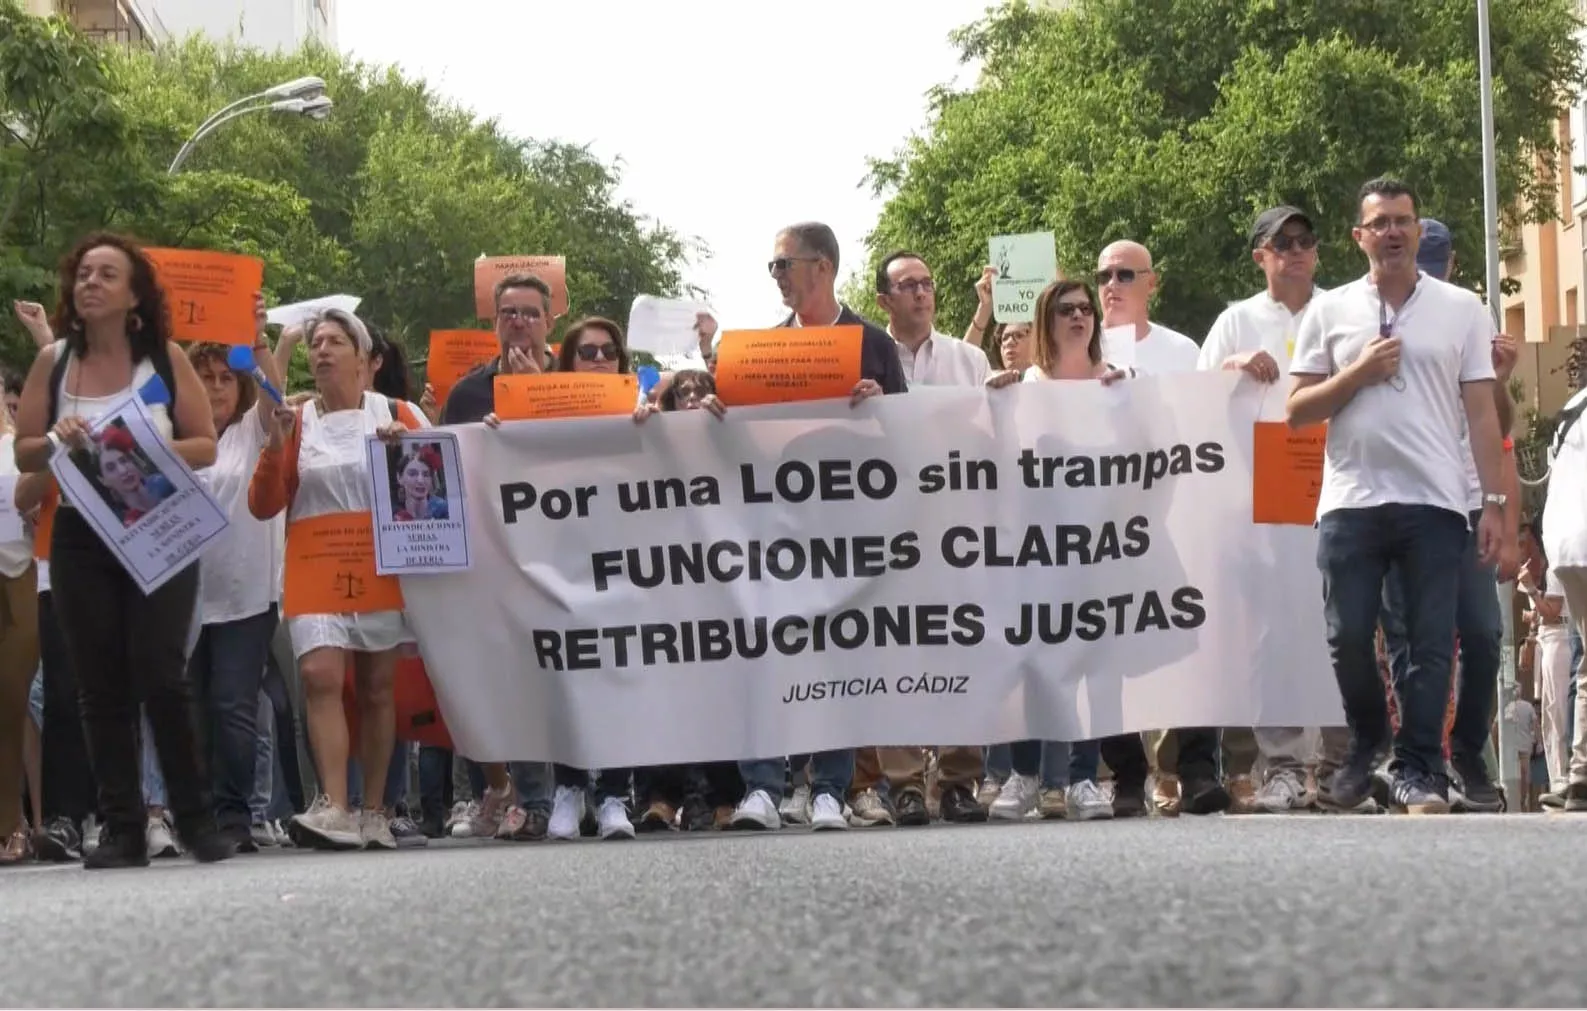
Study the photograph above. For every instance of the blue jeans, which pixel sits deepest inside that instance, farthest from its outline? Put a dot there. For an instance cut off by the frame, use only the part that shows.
(264, 761)
(1481, 629)
(608, 782)
(1059, 763)
(999, 760)
(227, 668)
(153, 778)
(831, 773)
(396, 790)
(1424, 547)
(534, 783)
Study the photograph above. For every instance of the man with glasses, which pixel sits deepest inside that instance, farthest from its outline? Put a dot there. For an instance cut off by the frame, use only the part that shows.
(1125, 283)
(1257, 337)
(1400, 365)
(805, 266)
(523, 321)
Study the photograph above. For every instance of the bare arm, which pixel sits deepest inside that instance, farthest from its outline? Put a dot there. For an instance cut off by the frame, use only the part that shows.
(1487, 446)
(33, 446)
(1315, 398)
(290, 337)
(31, 490)
(983, 308)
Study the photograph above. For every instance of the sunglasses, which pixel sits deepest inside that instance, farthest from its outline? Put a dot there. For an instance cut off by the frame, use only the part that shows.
(1282, 243)
(590, 352)
(1067, 309)
(1124, 275)
(782, 263)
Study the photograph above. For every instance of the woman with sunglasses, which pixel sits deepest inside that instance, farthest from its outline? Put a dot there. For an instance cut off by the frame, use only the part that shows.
(1066, 346)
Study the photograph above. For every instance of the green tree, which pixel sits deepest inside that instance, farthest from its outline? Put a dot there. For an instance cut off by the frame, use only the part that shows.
(1173, 122)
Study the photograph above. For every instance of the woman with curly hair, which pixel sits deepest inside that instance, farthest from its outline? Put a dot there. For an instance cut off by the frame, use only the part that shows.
(127, 647)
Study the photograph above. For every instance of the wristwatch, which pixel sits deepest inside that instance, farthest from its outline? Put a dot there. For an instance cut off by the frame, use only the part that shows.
(1495, 498)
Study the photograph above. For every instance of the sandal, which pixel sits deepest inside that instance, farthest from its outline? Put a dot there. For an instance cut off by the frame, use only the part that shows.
(18, 848)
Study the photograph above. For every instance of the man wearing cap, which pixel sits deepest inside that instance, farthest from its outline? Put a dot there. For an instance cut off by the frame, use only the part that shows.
(1477, 618)
(1257, 336)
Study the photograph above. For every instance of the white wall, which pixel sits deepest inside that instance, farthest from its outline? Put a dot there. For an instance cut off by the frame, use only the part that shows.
(267, 24)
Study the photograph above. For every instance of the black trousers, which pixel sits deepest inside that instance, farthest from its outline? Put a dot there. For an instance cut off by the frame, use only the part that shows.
(1198, 756)
(717, 782)
(67, 781)
(127, 650)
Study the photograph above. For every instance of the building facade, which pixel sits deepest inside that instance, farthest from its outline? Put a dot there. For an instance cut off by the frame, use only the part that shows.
(264, 24)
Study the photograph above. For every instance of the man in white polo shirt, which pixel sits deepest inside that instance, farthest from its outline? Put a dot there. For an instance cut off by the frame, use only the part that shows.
(1257, 336)
(1125, 283)
(1395, 362)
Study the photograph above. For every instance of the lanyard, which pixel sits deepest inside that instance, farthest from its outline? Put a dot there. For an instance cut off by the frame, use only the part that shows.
(1385, 324)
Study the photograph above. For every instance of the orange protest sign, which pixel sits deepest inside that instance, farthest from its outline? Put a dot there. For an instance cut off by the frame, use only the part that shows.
(454, 353)
(210, 294)
(564, 395)
(1286, 472)
(553, 270)
(44, 526)
(330, 568)
(788, 364)
(418, 713)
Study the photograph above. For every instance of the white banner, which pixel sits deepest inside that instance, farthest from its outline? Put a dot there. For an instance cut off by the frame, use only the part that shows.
(1054, 560)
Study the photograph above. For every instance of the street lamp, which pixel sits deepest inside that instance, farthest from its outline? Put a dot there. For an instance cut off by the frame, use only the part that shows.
(302, 97)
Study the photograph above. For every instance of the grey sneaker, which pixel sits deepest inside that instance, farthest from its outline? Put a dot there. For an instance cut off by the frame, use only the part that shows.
(407, 834)
(1418, 795)
(374, 828)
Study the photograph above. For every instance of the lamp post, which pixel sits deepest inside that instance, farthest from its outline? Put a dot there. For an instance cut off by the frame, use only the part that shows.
(304, 96)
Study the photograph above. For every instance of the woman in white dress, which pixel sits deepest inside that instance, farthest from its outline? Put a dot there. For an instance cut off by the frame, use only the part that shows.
(315, 465)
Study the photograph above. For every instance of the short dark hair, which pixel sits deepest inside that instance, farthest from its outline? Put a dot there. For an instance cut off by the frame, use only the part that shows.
(1383, 186)
(522, 281)
(687, 377)
(220, 354)
(12, 381)
(883, 283)
(817, 238)
(575, 336)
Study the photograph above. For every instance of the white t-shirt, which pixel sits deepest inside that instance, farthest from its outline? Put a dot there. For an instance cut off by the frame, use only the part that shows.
(239, 576)
(1565, 508)
(1389, 445)
(943, 361)
(14, 555)
(1259, 323)
(1163, 352)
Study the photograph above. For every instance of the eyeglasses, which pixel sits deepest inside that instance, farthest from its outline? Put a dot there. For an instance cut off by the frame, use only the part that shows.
(1282, 243)
(511, 313)
(1067, 309)
(784, 262)
(1124, 275)
(1377, 226)
(590, 352)
(925, 285)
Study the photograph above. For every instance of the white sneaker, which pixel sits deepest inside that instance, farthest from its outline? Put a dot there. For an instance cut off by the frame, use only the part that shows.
(795, 809)
(90, 836)
(482, 819)
(613, 821)
(374, 828)
(1016, 799)
(461, 811)
(567, 810)
(827, 814)
(161, 843)
(1281, 794)
(326, 826)
(756, 812)
(1085, 801)
(263, 835)
(276, 829)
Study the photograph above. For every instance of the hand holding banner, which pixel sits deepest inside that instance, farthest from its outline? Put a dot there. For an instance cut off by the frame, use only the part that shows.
(785, 364)
(210, 294)
(564, 395)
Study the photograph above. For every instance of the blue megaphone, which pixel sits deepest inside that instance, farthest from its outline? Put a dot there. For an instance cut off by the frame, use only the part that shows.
(240, 359)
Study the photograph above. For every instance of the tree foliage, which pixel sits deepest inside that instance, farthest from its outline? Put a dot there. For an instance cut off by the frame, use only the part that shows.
(391, 198)
(1174, 122)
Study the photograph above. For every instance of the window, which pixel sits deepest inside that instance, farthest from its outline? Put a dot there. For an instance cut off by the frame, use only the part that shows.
(1570, 307)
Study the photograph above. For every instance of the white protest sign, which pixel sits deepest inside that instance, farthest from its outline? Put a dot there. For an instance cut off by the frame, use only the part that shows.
(664, 327)
(301, 312)
(1058, 561)
(11, 528)
(419, 505)
(147, 507)
(1118, 346)
(1025, 265)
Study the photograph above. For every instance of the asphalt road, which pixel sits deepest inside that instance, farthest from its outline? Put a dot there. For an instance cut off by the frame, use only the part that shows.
(1309, 910)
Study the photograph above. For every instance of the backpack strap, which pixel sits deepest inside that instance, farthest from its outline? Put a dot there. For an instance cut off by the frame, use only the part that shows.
(1566, 419)
(57, 377)
(160, 358)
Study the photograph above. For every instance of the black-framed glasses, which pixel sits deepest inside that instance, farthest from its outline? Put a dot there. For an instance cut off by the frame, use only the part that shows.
(1381, 224)
(606, 350)
(1282, 243)
(1067, 309)
(510, 313)
(1124, 275)
(911, 286)
(784, 262)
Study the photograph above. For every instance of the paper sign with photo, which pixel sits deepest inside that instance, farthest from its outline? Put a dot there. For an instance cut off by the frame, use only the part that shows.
(1025, 265)
(420, 525)
(138, 495)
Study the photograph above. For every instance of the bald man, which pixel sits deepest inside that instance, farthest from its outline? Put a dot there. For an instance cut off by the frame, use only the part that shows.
(1126, 282)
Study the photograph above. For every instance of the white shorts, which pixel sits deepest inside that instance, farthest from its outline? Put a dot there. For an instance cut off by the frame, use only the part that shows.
(367, 633)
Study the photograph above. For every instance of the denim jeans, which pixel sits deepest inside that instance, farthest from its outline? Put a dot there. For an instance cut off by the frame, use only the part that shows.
(999, 762)
(534, 783)
(1481, 630)
(714, 782)
(149, 766)
(396, 791)
(1057, 762)
(227, 668)
(1424, 547)
(608, 782)
(831, 772)
(435, 783)
(287, 786)
(264, 763)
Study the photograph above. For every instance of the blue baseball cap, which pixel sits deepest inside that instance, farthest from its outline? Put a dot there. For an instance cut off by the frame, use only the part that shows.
(1433, 255)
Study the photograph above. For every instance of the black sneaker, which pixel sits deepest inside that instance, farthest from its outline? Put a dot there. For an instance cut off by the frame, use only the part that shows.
(1419, 794)
(118, 849)
(1473, 787)
(407, 833)
(697, 814)
(960, 806)
(1198, 795)
(1352, 784)
(59, 843)
(1129, 800)
(206, 843)
(1576, 798)
(1552, 801)
(241, 837)
(911, 808)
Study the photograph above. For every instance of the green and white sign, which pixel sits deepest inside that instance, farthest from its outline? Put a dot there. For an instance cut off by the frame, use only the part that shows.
(1025, 265)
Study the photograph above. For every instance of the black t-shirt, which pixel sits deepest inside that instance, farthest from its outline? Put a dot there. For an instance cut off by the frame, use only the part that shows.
(474, 396)
(878, 355)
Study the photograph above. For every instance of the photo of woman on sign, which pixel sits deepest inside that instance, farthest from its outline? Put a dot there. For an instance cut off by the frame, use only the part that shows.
(123, 474)
(418, 479)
